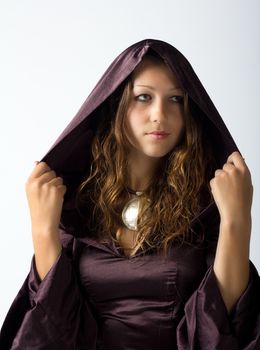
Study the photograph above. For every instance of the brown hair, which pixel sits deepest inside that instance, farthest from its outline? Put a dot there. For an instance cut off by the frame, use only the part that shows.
(183, 182)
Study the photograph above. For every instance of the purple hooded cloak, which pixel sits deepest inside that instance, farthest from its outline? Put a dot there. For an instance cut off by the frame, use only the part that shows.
(95, 297)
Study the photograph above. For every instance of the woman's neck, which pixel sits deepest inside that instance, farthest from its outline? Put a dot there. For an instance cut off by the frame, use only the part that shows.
(141, 171)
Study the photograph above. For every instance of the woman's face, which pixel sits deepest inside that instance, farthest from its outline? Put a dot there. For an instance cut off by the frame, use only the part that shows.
(156, 106)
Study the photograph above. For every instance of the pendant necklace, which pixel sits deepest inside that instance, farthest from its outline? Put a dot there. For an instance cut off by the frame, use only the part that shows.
(131, 210)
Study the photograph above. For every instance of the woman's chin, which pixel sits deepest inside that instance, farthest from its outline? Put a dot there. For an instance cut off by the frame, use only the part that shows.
(157, 153)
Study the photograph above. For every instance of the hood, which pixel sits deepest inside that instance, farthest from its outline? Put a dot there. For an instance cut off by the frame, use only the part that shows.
(69, 155)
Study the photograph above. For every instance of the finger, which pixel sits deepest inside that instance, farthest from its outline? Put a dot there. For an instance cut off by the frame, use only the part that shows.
(218, 172)
(62, 188)
(39, 169)
(47, 176)
(236, 159)
(228, 166)
(56, 181)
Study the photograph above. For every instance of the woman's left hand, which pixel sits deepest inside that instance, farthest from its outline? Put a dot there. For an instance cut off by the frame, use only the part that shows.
(233, 191)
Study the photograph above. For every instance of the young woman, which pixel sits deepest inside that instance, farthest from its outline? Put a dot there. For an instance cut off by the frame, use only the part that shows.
(141, 221)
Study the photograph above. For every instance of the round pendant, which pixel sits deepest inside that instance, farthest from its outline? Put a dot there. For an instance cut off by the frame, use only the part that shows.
(130, 214)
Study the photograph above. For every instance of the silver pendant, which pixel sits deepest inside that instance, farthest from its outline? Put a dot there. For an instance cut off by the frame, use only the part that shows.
(130, 213)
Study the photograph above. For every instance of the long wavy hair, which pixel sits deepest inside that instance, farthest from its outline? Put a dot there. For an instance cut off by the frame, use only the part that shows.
(177, 192)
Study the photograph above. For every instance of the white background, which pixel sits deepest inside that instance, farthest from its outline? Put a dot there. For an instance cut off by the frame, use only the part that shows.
(54, 52)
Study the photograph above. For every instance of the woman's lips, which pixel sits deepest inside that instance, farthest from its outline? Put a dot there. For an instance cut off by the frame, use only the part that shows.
(158, 135)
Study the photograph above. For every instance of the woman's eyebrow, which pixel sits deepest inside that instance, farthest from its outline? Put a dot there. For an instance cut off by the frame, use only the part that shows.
(152, 88)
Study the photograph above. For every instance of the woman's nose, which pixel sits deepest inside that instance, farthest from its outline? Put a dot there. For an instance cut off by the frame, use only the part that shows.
(158, 111)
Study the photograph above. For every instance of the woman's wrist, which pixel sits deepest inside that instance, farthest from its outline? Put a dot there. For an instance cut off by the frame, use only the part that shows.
(237, 224)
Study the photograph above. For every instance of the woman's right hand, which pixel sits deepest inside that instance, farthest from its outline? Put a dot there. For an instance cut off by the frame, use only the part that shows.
(45, 195)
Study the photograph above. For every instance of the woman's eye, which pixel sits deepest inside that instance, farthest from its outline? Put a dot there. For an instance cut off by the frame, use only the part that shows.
(178, 99)
(146, 97)
(142, 97)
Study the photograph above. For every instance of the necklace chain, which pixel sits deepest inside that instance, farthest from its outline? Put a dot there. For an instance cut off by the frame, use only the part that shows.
(137, 193)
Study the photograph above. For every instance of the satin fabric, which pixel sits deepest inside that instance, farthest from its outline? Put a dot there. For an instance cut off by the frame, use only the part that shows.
(94, 297)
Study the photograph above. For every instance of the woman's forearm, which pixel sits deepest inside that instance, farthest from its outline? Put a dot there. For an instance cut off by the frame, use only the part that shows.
(47, 248)
(231, 265)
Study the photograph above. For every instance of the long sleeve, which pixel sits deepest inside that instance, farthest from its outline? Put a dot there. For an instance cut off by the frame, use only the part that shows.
(50, 314)
(207, 325)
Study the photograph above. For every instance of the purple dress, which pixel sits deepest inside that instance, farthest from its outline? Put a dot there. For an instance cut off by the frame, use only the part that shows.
(96, 298)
